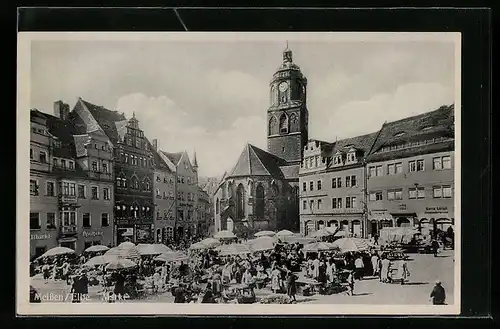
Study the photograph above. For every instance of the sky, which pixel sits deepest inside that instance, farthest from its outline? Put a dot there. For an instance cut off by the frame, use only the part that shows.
(211, 96)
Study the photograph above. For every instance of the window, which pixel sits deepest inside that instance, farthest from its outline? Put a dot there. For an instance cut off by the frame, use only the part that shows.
(348, 181)
(379, 170)
(33, 187)
(399, 168)
(135, 183)
(63, 163)
(319, 203)
(375, 196)
(51, 220)
(372, 172)
(339, 182)
(437, 192)
(158, 193)
(34, 221)
(304, 186)
(81, 192)
(334, 203)
(348, 202)
(375, 171)
(311, 186)
(416, 193)
(56, 162)
(94, 165)
(446, 162)
(353, 202)
(182, 179)
(391, 169)
(334, 182)
(71, 165)
(420, 165)
(353, 181)
(95, 193)
(104, 167)
(395, 194)
(105, 220)
(304, 205)
(43, 157)
(86, 221)
(72, 189)
(437, 163)
(339, 202)
(259, 201)
(50, 189)
(311, 204)
(105, 193)
(319, 185)
(446, 191)
(126, 158)
(147, 185)
(138, 143)
(31, 153)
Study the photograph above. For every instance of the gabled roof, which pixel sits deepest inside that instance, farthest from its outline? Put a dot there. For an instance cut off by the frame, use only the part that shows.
(106, 119)
(290, 172)
(434, 124)
(63, 130)
(361, 143)
(256, 162)
(174, 157)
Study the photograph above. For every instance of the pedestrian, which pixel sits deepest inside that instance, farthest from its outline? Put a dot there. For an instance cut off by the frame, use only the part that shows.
(375, 264)
(360, 267)
(46, 272)
(403, 272)
(384, 269)
(291, 286)
(157, 281)
(350, 282)
(275, 280)
(438, 294)
(435, 247)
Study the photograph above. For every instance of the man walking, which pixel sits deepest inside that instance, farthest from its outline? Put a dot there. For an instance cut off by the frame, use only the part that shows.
(438, 294)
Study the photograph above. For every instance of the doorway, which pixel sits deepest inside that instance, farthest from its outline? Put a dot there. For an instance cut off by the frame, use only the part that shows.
(373, 227)
(403, 222)
(70, 245)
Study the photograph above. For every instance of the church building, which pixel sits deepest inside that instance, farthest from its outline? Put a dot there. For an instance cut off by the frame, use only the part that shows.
(261, 192)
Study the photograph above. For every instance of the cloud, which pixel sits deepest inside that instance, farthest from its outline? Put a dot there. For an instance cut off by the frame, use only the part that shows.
(362, 117)
(216, 151)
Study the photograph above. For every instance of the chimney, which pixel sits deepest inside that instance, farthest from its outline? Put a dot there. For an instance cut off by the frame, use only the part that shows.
(155, 144)
(61, 110)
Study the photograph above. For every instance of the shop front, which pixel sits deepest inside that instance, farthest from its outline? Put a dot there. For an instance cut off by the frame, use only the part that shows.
(351, 225)
(96, 237)
(125, 233)
(144, 233)
(438, 218)
(41, 242)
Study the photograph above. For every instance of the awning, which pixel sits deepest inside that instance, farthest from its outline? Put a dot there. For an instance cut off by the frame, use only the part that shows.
(403, 214)
(66, 240)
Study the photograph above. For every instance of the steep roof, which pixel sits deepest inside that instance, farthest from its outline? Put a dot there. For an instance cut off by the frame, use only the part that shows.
(256, 162)
(362, 144)
(106, 119)
(64, 131)
(427, 126)
(290, 172)
(174, 157)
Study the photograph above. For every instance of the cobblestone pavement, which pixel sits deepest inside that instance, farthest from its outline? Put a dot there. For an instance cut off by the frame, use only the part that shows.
(424, 269)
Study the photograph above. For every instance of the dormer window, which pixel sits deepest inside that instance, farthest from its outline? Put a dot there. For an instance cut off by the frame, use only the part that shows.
(426, 128)
(399, 134)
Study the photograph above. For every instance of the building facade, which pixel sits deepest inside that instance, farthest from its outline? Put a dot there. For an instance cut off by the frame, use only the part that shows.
(411, 173)
(164, 186)
(186, 191)
(204, 210)
(333, 184)
(133, 172)
(71, 201)
(261, 191)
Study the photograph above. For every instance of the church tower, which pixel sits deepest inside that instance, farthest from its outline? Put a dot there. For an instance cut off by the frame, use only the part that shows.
(287, 115)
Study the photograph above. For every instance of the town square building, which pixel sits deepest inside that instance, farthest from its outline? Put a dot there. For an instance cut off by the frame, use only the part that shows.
(71, 183)
(261, 191)
(133, 172)
(332, 185)
(410, 173)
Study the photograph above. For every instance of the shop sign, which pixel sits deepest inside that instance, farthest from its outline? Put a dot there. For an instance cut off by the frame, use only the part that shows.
(436, 210)
(44, 236)
(91, 233)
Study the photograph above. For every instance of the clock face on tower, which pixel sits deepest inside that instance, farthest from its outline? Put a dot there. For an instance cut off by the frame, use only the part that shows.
(283, 86)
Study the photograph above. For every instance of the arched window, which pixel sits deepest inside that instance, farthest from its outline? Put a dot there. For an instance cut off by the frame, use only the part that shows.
(147, 184)
(217, 206)
(135, 182)
(273, 95)
(240, 202)
(259, 201)
(294, 123)
(273, 126)
(275, 190)
(283, 124)
(250, 188)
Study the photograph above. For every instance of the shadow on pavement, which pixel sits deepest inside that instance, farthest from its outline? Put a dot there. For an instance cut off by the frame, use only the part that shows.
(363, 294)
(415, 283)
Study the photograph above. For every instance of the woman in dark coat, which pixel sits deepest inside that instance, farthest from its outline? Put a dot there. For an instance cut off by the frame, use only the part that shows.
(291, 286)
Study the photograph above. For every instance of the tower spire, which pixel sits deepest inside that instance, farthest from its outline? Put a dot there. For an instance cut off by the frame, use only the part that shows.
(195, 162)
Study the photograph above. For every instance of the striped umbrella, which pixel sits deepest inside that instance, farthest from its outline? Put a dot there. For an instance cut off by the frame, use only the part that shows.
(96, 248)
(351, 244)
(172, 256)
(262, 243)
(265, 233)
(57, 251)
(233, 249)
(152, 249)
(320, 246)
(124, 250)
